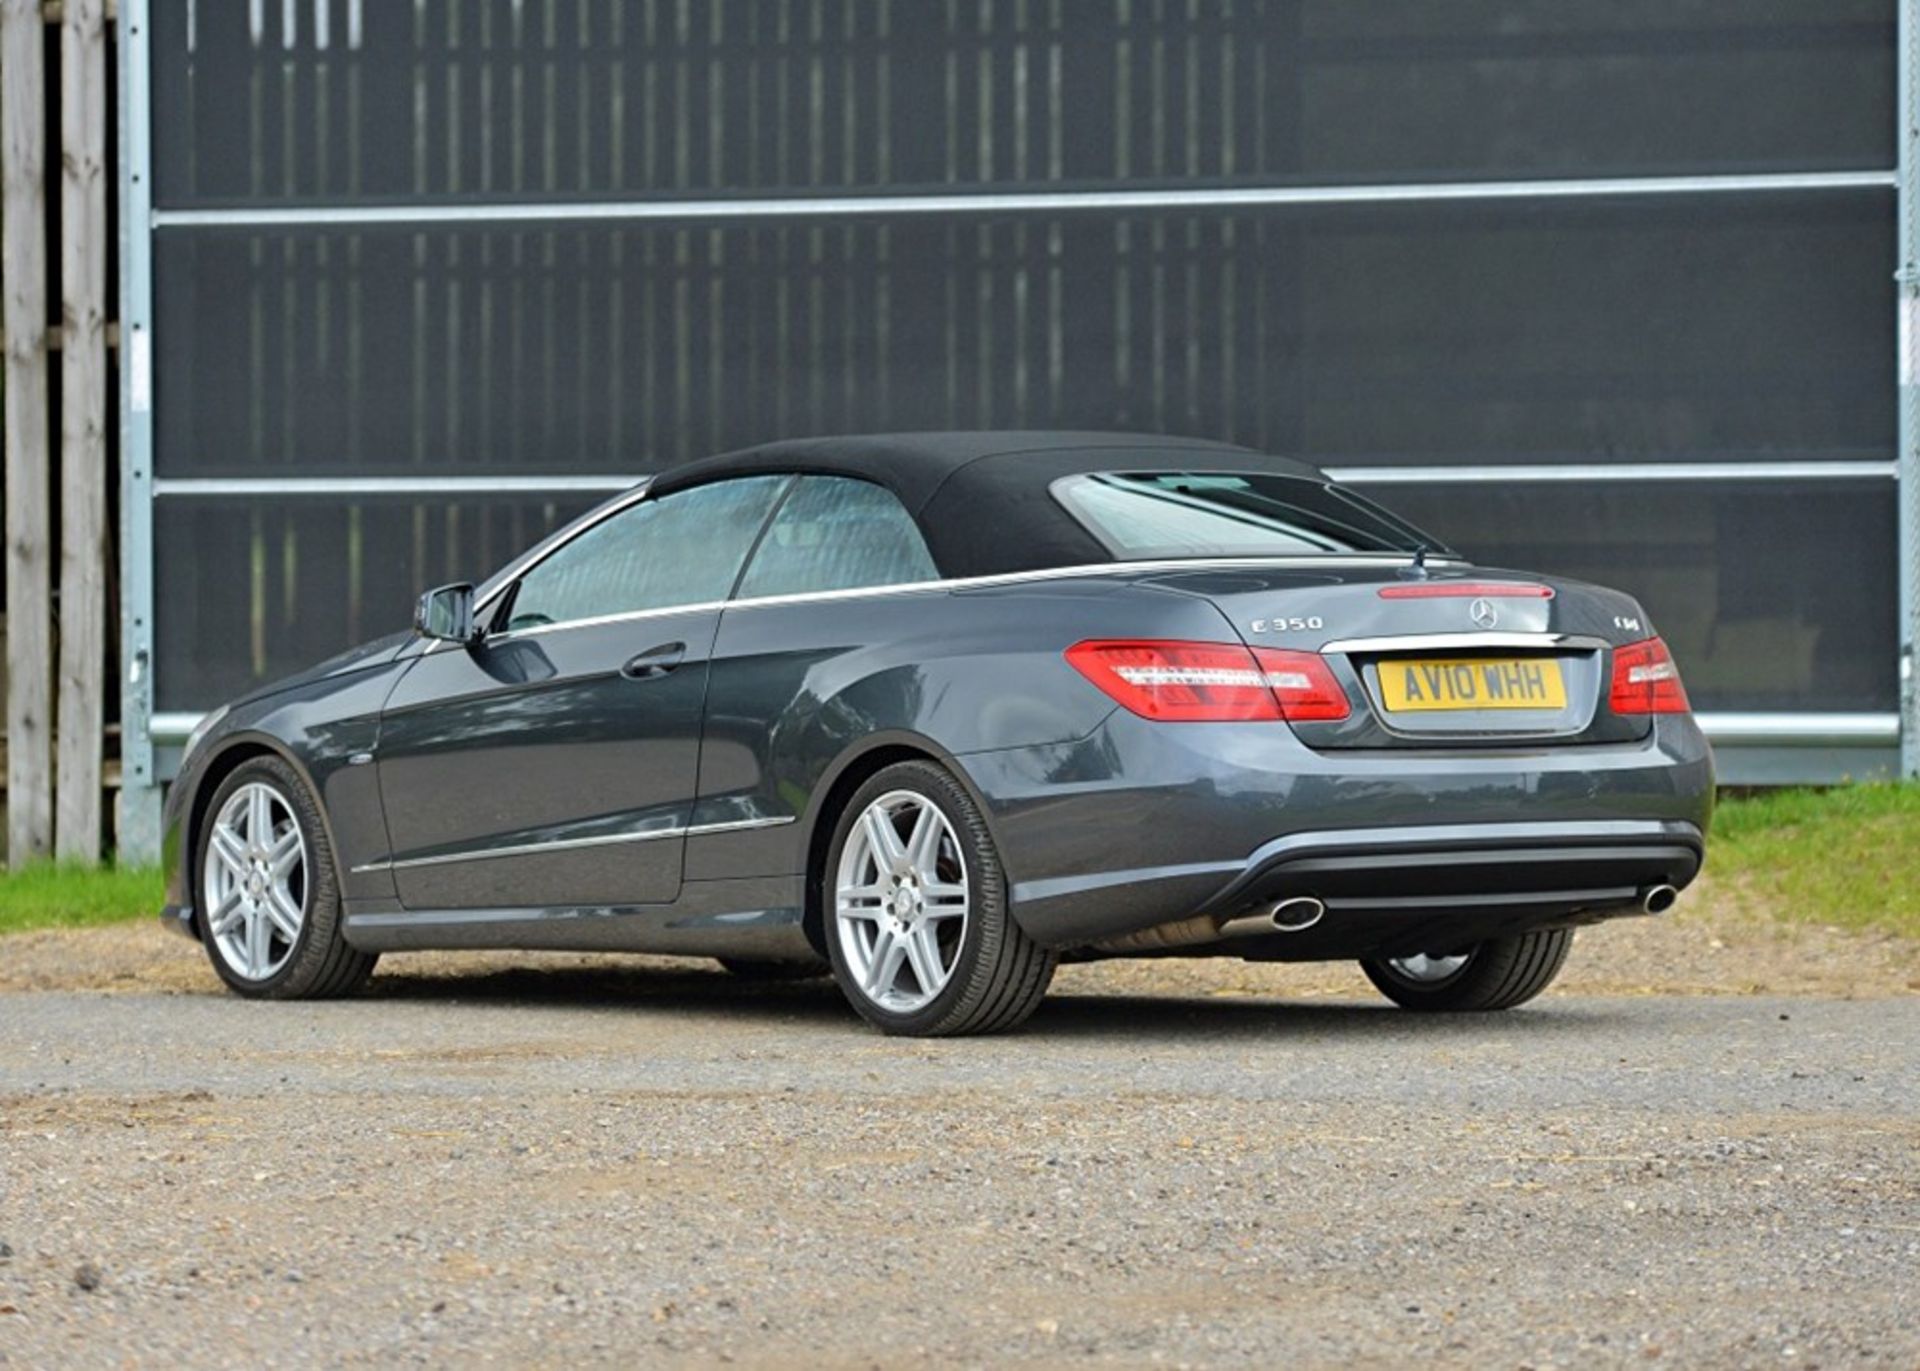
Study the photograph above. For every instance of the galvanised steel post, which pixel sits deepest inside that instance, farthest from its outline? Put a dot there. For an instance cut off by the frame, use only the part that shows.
(1907, 133)
(138, 823)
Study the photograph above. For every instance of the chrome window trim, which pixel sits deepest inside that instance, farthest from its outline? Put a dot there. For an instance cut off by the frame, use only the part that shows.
(598, 620)
(531, 560)
(953, 583)
(645, 835)
(1453, 642)
(553, 542)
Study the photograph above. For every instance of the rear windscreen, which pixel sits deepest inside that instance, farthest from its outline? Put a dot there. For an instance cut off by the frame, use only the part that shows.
(1146, 516)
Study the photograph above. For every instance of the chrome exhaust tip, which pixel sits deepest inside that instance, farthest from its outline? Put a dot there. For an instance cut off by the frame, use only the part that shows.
(1658, 899)
(1296, 915)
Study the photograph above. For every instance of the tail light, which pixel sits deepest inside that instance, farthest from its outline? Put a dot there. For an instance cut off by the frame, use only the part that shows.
(1304, 686)
(1188, 682)
(1645, 680)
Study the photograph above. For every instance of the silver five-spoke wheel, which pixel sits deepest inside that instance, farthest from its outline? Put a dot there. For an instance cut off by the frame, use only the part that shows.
(255, 881)
(901, 901)
(1426, 969)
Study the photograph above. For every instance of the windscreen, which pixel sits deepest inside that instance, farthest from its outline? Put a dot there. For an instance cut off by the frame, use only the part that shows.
(1148, 516)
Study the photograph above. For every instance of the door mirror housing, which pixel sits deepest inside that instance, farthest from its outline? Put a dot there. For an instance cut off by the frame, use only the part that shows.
(445, 614)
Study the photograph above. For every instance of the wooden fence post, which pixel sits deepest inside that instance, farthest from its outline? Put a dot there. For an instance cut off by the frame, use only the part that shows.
(23, 316)
(83, 427)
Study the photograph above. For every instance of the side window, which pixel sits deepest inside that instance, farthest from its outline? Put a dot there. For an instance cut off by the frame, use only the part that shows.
(682, 549)
(834, 533)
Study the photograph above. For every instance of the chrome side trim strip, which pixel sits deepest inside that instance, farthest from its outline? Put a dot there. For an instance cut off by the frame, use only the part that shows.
(569, 844)
(1449, 642)
(513, 212)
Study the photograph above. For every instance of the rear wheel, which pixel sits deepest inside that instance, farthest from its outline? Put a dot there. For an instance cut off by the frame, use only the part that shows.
(1497, 974)
(269, 904)
(919, 932)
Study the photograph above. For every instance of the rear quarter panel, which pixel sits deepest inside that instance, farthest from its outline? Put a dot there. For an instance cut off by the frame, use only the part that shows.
(800, 689)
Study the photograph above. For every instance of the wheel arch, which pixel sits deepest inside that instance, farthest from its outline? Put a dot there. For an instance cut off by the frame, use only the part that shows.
(234, 753)
(851, 770)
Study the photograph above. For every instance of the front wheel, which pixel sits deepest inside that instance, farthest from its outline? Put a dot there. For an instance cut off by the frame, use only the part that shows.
(269, 904)
(919, 933)
(1496, 974)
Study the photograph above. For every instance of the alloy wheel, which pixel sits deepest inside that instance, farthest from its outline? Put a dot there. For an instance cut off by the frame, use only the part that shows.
(1425, 969)
(255, 881)
(901, 901)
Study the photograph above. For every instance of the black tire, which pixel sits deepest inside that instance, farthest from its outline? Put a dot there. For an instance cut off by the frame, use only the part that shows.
(1499, 974)
(320, 964)
(998, 975)
(748, 970)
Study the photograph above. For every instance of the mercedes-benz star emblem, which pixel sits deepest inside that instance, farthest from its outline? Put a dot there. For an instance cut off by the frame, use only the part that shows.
(1483, 614)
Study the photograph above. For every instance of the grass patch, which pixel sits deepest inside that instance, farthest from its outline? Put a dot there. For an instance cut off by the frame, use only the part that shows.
(52, 895)
(1849, 856)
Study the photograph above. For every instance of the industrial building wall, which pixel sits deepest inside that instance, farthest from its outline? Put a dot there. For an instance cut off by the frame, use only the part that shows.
(1604, 290)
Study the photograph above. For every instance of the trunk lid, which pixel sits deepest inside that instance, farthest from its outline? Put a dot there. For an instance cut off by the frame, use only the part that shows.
(1440, 657)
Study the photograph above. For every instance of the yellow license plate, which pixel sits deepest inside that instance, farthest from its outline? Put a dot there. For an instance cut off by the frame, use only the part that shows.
(1408, 684)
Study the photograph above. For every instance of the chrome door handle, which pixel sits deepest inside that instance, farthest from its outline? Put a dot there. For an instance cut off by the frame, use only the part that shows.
(654, 663)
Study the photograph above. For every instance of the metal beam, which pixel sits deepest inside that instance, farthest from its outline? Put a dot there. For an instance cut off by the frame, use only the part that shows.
(1543, 473)
(138, 827)
(276, 487)
(1907, 322)
(513, 213)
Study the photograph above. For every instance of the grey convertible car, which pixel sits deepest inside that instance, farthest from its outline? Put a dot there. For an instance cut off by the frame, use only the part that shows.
(940, 710)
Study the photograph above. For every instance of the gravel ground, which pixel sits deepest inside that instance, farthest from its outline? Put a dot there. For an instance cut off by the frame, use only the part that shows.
(651, 1163)
(1719, 942)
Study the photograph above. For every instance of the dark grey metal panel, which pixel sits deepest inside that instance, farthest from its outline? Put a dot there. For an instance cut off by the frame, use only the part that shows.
(250, 590)
(1772, 595)
(464, 99)
(1726, 328)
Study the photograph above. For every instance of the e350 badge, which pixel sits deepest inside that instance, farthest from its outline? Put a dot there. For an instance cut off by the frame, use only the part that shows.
(1295, 624)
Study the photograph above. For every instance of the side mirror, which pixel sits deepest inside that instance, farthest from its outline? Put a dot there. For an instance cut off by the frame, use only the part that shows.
(445, 614)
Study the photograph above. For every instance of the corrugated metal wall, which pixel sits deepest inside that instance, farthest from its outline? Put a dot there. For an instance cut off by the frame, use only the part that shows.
(1349, 314)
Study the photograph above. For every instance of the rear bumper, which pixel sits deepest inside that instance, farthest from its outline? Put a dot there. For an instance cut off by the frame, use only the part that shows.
(1392, 891)
(1600, 864)
(1395, 892)
(1144, 824)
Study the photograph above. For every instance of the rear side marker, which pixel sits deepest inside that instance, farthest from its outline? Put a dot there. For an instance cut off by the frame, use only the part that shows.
(1174, 681)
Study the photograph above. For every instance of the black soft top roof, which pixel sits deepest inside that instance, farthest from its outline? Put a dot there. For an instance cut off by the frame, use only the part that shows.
(981, 499)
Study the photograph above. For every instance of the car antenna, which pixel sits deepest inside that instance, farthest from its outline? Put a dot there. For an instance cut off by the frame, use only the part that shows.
(1417, 570)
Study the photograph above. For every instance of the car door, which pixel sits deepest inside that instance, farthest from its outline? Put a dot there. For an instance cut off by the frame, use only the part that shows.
(793, 636)
(553, 762)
